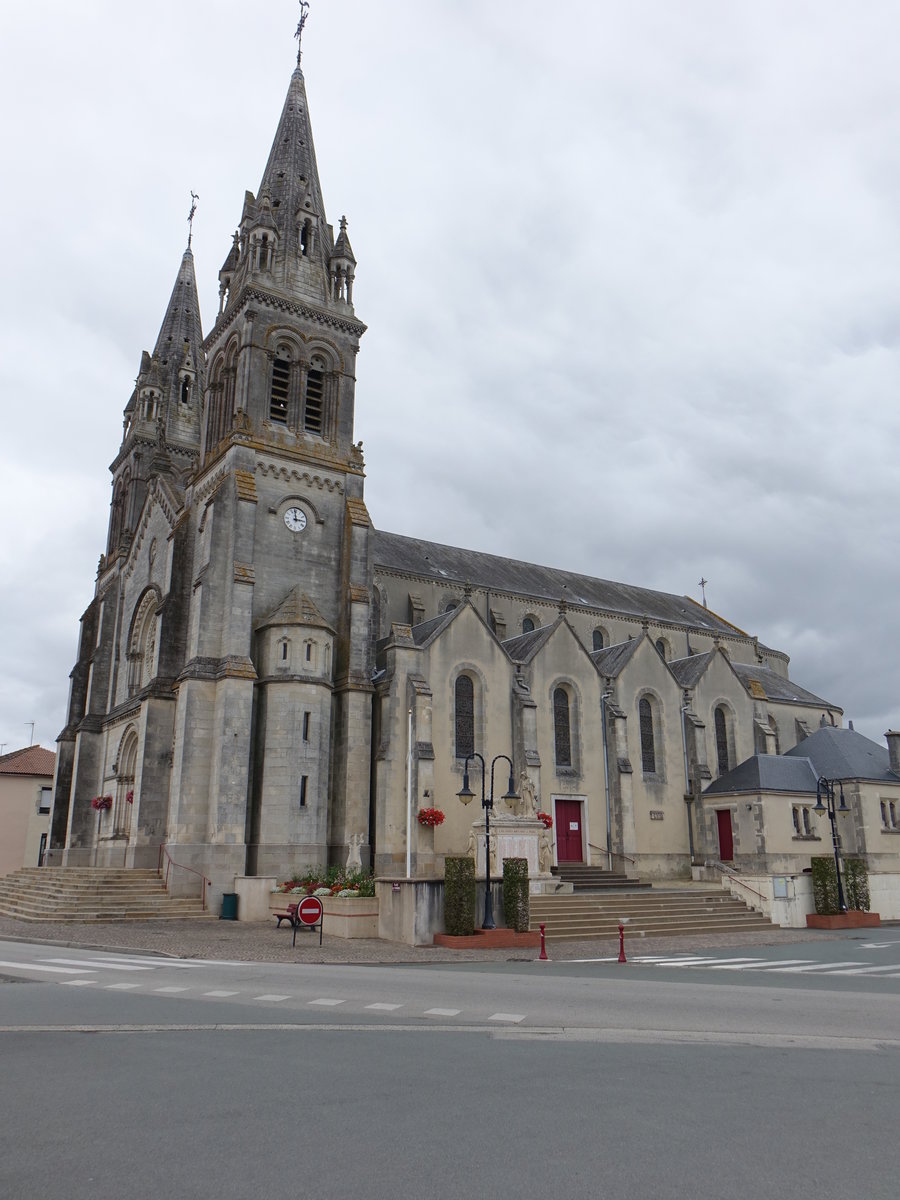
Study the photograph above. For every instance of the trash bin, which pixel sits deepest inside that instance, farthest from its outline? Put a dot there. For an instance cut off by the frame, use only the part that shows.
(229, 906)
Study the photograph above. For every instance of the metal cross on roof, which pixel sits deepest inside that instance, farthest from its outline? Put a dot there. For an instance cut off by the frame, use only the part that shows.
(703, 583)
(194, 199)
(304, 12)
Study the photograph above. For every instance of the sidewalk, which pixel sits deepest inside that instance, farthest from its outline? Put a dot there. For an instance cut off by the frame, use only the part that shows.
(260, 941)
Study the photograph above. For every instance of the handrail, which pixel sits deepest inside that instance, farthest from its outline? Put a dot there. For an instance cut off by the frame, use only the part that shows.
(732, 875)
(170, 862)
(614, 853)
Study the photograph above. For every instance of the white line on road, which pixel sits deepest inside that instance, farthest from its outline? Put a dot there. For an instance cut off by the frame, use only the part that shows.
(866, 970)
(221, 993)
(21, 966)
(755, 964)
(328, 1003)
(170, 989)
(514, 1018)
(77, 982)
(812, 967)
(271, 996)
(442, 1012)
(121, 987)
(384, 1007)
(93, 963)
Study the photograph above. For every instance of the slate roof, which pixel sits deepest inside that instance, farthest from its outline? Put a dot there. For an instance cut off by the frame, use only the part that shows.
(295, 609)
(452, 564)
(845, 754)
(33, 760)
(689, 670)
(611, 659)
(425, 629)
(767, 773)
(775, 686)
(525, 645)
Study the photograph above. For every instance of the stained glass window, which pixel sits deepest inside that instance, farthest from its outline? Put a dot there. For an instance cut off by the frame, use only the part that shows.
(561, 731)
(465, 717)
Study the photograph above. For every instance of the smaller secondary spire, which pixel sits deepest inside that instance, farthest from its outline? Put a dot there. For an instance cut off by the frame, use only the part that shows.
(194, 199)
(304, 13)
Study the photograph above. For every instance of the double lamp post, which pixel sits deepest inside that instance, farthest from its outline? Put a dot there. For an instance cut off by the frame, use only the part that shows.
(825, 791)
(487, 803)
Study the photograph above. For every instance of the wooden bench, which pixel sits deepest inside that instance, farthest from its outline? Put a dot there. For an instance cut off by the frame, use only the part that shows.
(290, 915)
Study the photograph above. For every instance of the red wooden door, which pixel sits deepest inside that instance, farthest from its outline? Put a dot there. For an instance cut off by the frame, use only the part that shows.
(568, 831)
(726, 840)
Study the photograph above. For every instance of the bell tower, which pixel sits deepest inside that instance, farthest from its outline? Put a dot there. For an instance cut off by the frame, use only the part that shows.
(273, 719)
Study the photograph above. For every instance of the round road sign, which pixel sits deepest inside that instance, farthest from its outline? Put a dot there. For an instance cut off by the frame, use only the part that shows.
(309, 910)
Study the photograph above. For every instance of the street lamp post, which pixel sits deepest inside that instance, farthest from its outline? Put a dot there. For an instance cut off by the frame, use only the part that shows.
(466, 794)
(825, 788)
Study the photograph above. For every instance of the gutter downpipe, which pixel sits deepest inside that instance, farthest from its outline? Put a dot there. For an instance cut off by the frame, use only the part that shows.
(409, 760)
(688, 793)
(603, 699)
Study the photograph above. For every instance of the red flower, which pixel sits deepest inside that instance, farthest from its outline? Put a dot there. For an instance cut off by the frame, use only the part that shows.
(546, 818)
(430, 817)
(100, 803)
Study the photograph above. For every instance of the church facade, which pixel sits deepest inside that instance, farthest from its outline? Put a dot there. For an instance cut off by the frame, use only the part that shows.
(264, 679)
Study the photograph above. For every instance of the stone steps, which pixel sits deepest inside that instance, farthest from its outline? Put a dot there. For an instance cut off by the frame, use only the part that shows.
(594, 879)
(650, 914)
(67, 894)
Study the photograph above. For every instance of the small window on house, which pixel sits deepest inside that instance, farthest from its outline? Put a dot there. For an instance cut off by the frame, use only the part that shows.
(464, 714)
(306, 727)
(662, 647)
(597, 639)
(648, 742)
(562, 734)
(314, 401)
(807, 827)
(281, 383)
(304, 782)
(893, 808)
(795, 815)
(884, 814)
(528, 625)
(46, 798)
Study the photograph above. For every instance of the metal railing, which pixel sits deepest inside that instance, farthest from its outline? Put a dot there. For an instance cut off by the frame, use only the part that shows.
(170, 862)
(733, 876)
(614, 853)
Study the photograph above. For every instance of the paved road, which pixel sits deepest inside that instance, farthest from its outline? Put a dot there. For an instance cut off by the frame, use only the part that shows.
(129, 1075)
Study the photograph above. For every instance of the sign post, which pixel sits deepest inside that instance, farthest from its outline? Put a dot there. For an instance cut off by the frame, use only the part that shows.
(310, 914)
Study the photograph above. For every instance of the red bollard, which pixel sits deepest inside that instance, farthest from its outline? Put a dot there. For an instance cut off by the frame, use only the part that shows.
(542, 957)
(622, 957)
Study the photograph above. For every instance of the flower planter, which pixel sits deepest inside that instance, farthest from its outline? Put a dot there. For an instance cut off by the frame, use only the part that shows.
(488, 939)
(855, 919)
(345, 916)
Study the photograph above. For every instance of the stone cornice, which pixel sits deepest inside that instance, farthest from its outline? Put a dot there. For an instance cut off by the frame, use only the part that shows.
(282, 304)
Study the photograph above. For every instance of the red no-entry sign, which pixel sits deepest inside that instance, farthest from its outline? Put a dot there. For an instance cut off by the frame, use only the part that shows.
(309, 910)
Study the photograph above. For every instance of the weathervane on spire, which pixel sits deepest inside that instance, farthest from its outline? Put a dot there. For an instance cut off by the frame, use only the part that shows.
(304, 13)
(703, 583)
(194, 199)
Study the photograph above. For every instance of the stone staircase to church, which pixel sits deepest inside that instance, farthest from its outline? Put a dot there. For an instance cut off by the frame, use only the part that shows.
(594, 879)
(654, 912)
(93, 894)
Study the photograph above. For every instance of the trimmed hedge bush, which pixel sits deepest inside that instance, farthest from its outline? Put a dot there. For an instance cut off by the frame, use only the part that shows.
(824, 881)
(459, 896)
(515, 894)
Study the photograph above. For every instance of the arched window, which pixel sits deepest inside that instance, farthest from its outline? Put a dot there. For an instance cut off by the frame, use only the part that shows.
(528, 625)
(464, 715)
(280, 387)
(124, 797)
(663, 647)
(314, 400)
(648, 739)
(562, 733)
(722, 759)
(597, 639)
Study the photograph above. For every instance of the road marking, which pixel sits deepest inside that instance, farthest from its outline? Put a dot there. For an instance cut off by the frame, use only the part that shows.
(327, 1003)
(76, 982)
(97, 962)
(865, 970)
(221, 993)
(754, 964)
(384, 1007)
(710, 962)
(878, 945)
(21, 966)
(442, 1012)
(515, 1018)
(170, 989)
(121, 987)
(271, 996)
(813, 967)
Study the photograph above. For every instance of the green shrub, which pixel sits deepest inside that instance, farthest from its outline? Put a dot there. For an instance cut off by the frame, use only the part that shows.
(459, 896)
(515, 894)
(855, 878)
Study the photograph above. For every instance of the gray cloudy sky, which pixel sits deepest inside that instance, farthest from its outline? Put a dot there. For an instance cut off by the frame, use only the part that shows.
(629, 270)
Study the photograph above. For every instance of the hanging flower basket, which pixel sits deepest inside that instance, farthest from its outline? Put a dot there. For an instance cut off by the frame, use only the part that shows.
(101, 803)
(546, 819)
(129, 797)
(430, 817)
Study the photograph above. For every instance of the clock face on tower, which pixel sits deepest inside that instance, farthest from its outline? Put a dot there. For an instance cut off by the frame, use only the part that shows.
(295, 519)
